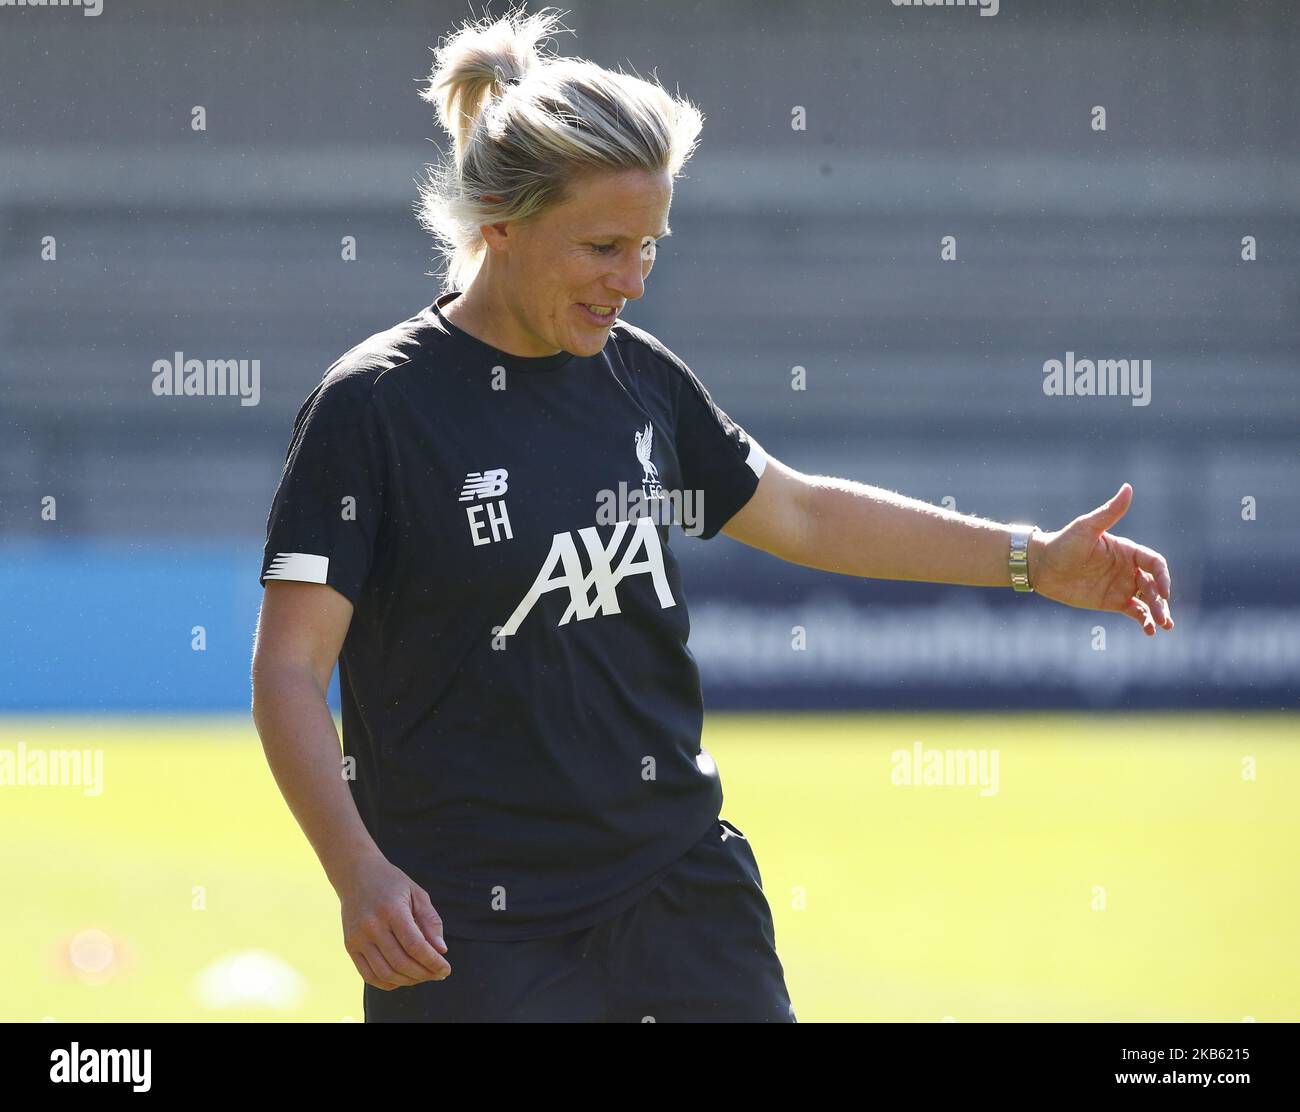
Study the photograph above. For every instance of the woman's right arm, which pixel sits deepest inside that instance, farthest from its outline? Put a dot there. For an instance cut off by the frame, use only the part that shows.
(390, 928)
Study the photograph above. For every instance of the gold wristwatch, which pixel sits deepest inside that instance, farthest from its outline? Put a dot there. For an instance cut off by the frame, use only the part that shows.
(1019, 558)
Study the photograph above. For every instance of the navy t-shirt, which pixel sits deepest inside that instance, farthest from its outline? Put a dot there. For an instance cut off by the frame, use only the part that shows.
(517, 691)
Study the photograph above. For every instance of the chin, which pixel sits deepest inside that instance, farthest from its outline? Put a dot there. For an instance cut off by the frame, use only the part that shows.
(587, 346)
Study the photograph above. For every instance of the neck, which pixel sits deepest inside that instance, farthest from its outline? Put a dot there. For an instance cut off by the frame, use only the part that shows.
(481, 311)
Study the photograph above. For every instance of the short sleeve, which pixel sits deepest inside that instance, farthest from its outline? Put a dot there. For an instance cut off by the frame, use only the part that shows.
(718, 458)
(328, 509)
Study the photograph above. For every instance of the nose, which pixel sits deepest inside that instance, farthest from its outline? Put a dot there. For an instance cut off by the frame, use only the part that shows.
(629, 280)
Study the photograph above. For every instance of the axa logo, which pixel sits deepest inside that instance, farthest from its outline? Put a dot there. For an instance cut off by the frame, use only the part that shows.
(596, 591)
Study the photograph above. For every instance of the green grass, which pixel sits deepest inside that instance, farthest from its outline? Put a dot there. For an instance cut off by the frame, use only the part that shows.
(891, 902)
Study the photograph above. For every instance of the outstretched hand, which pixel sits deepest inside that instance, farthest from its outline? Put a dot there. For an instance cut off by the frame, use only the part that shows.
(1083, 565)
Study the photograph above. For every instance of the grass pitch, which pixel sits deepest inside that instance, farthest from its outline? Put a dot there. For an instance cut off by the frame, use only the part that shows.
(1122, 868)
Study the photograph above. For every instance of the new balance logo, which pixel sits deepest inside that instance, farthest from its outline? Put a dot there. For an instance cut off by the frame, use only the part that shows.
(484, 484)
(487, 484)
(643, 556)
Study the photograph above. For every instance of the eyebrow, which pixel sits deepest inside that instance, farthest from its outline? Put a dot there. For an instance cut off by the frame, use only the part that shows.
(610, 235)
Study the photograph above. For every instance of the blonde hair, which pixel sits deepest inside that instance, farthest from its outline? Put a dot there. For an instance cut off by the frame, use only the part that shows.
(524, 124)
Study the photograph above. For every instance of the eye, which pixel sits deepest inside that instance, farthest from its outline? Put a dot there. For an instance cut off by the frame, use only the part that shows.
(604, 248)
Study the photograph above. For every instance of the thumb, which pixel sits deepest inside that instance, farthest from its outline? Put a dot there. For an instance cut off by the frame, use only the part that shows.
(1109, 512)
(427, 918)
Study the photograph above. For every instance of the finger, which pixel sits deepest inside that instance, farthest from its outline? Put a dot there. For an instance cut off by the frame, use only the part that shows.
(1138, 610)
(367, 971)
(395, 954)
(384, 970)
(1151, 560)
(1110, 511)
(427, 919)
(1154, 597)
(418, 948)
(1150, 592)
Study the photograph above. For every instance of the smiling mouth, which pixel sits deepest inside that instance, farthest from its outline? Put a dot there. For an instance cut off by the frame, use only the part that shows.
(602, 314)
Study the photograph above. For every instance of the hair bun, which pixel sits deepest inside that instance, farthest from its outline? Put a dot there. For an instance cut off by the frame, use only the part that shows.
(482, 59)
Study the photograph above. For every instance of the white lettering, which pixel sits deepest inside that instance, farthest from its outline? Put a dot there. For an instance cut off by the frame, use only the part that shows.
(643, 556)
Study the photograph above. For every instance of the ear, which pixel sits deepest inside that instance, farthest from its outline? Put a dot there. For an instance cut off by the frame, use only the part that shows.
(495, 234)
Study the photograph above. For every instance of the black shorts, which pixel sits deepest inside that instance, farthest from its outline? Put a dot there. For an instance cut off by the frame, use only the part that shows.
(699, 947)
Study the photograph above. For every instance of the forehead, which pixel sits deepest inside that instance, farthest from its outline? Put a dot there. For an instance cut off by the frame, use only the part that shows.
(617, 203)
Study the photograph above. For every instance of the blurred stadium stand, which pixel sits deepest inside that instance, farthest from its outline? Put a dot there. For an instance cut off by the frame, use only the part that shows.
(816, 248)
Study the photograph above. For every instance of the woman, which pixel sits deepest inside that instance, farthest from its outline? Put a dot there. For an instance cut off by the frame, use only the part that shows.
(524, 797)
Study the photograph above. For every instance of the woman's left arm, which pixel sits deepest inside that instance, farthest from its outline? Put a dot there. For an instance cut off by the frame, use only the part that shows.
(848, 527)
